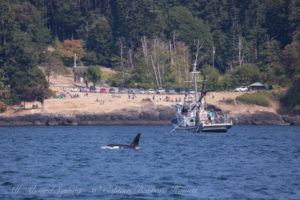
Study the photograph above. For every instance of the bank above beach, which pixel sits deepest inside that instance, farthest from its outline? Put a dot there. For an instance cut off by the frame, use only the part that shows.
(148, 115)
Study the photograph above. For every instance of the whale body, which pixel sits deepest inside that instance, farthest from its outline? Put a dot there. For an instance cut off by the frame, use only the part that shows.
(134, 144)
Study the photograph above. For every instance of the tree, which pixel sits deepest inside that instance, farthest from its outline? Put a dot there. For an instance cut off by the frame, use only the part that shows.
(244, 75)
(100, 41)
(212, 75)
(291, 58)
(270, 64)
(7, 20)
(30, 21)
(65, 18)
(30, 86)
(188, 28)
(93, 74)
(52, 66)
(69, 49)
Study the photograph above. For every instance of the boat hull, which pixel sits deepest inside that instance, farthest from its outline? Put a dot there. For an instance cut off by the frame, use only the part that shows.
(214, 128)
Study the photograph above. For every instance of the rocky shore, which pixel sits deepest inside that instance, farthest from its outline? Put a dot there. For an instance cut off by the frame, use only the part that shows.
(149, 115)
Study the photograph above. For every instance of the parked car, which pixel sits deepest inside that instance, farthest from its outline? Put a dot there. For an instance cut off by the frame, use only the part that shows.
(103, 90)
(160, 91)
(111, 90)
(83, 89)
(75, 89)
(142, 91)
(131, 90)
(191, 91)
(122, 90)
(181, 90)
(170, 91)
(241, 89)
(151, 91)
(92, 89)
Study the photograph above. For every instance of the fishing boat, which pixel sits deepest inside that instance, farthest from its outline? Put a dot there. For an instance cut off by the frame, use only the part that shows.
(192, 116)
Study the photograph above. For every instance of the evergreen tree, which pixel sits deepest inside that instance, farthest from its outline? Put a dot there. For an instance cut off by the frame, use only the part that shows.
(100, 41)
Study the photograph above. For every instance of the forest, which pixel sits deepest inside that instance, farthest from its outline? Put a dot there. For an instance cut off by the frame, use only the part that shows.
(151, 43)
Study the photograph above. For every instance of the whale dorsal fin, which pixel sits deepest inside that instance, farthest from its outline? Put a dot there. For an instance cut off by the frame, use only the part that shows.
(136, 140)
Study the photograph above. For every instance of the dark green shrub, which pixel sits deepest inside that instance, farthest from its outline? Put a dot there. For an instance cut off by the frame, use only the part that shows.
(3, 106)
(257, 98)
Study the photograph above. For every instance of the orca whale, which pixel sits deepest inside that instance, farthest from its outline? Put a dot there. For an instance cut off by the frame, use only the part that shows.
(134, 144)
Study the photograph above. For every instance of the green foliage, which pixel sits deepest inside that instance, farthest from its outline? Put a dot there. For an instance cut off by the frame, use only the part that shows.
(52, 66)
(244, 75)
(188, 28)
(30, 85)
(93, 74)
(212, 78)
(291, 58)
(116, 80)
(291, 100)
(273, 71)
(100, 41)
(257, 98)
(265, 28)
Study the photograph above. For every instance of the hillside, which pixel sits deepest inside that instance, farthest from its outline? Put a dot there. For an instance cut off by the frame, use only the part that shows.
(150, 44)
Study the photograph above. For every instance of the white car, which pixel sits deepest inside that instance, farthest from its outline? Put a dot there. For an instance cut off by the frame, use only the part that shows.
(160, 91)
(151, 91)
(241, 89)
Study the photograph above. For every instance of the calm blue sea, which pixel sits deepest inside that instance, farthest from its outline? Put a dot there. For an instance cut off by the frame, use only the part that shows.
(248, 162)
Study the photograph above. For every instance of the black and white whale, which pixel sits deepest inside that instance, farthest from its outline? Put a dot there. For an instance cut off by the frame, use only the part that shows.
(134, 144)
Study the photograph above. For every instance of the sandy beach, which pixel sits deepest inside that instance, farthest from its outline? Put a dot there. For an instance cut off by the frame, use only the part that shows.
(95, 103)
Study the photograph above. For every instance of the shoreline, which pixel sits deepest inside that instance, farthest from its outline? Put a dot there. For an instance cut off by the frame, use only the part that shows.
(149, 115)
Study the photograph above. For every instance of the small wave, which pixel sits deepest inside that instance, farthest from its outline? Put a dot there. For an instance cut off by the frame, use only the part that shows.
(8, 172)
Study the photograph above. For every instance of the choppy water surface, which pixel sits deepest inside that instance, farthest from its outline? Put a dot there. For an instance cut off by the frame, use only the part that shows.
(248, 162)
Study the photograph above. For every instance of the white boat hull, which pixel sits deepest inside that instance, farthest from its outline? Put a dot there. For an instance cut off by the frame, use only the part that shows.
(217, 127)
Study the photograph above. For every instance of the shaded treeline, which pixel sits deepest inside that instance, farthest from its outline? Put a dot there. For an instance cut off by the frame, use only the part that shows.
(152, 43)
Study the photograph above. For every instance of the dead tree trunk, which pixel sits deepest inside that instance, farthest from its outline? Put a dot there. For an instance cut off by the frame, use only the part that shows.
(159, 74)
(186, 68)
(198, 45)
(146, 55)
(3, 32)
(121, 51)
(240, 51)
(153, 66)
(130, 58)
(213, 56)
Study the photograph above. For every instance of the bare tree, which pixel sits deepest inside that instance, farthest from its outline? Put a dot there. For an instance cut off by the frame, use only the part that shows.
(241, 51)
(120, 42)
(186, 67)
(130, 54)
(197, 60)
(145, 49)
(213, 56)
(154, 69)
(52, 66)
(146, 55)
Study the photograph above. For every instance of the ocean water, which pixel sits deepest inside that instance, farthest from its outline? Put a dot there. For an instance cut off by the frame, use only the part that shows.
(248, 162)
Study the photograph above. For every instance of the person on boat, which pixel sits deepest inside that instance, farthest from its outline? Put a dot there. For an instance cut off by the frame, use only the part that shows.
(209, 118)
